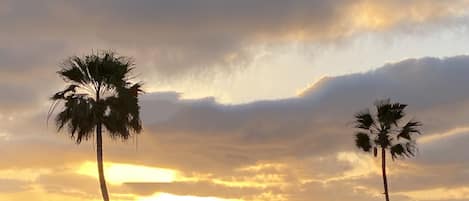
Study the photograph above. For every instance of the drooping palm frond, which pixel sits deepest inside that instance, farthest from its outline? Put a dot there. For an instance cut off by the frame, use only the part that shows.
(79, 115)
(403, 150)
(362, 141)
(397, 150)
(123, 113)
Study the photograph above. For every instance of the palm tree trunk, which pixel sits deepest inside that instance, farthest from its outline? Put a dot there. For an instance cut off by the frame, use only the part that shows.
(99, 157)
(385, 180)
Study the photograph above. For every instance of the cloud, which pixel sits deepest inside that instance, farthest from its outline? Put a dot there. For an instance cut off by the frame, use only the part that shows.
(316, 121)
(183, 39)
(69, 184)
(27, 74)
(200, 189)
(308, 138)
(317, 124)
(11, 186)
(180, 37)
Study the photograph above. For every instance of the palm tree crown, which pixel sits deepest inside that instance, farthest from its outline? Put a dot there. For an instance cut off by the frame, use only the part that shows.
(383, 130)
(99, 91)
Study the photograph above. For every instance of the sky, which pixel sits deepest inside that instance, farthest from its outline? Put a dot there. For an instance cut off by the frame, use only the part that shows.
(246, 100)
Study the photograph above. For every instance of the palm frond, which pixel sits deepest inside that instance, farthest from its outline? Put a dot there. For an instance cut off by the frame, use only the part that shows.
(124, 112)
(62, 94)
(389, 114)
(79, 116)
(397, 150)
(403, 150)
(362, 141)
(74, 69)
(364, 120)
(410, 128)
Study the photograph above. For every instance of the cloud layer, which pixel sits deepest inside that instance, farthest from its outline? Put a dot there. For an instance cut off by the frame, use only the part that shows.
(179, 37)
(286, 150)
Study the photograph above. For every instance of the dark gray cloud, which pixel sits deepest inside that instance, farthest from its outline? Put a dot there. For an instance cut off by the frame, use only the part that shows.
(16, 98)
(177, 36)
(27, 75)
(447, 150)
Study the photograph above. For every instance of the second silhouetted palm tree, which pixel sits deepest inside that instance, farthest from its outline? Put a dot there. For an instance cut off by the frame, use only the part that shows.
(99, 93)
(384, 130)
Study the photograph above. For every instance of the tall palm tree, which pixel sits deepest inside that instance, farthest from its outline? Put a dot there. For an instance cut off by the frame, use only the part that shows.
(384, 129)
(99, 93)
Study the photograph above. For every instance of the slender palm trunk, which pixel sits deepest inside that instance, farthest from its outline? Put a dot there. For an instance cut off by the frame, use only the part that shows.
(385, 180)
(99, 151)
(99, 157)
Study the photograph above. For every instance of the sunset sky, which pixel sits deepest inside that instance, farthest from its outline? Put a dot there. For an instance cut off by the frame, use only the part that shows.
(246, 100)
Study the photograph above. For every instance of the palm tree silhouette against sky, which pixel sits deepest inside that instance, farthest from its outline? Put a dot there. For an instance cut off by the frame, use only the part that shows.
(383, 130)
(99, 93)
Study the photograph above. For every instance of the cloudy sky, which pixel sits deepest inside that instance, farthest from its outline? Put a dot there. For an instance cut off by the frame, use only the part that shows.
(247, 100)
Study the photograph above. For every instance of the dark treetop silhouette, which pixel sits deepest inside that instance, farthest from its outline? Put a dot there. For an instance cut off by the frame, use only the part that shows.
(99, 93)
(383, 130)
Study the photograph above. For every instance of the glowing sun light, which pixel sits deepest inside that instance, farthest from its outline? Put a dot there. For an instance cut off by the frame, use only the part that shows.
(117, 173)
(170, 197)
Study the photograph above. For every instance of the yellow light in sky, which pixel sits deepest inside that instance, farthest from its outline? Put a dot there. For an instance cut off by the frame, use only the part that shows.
(117, 173)
(170, 197)
(370, 16)
(428, 138)
(361, 166)
(461, 193)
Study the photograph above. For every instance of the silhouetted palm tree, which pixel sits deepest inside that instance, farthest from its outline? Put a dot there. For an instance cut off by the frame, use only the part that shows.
(383, 130)
(99, 93)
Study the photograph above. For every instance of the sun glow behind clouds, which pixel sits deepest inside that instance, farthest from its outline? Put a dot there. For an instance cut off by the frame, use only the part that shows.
(461, 193)
(117, 173)
(170, 197)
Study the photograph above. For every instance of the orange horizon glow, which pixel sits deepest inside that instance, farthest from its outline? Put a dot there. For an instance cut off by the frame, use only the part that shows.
(114, 173)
